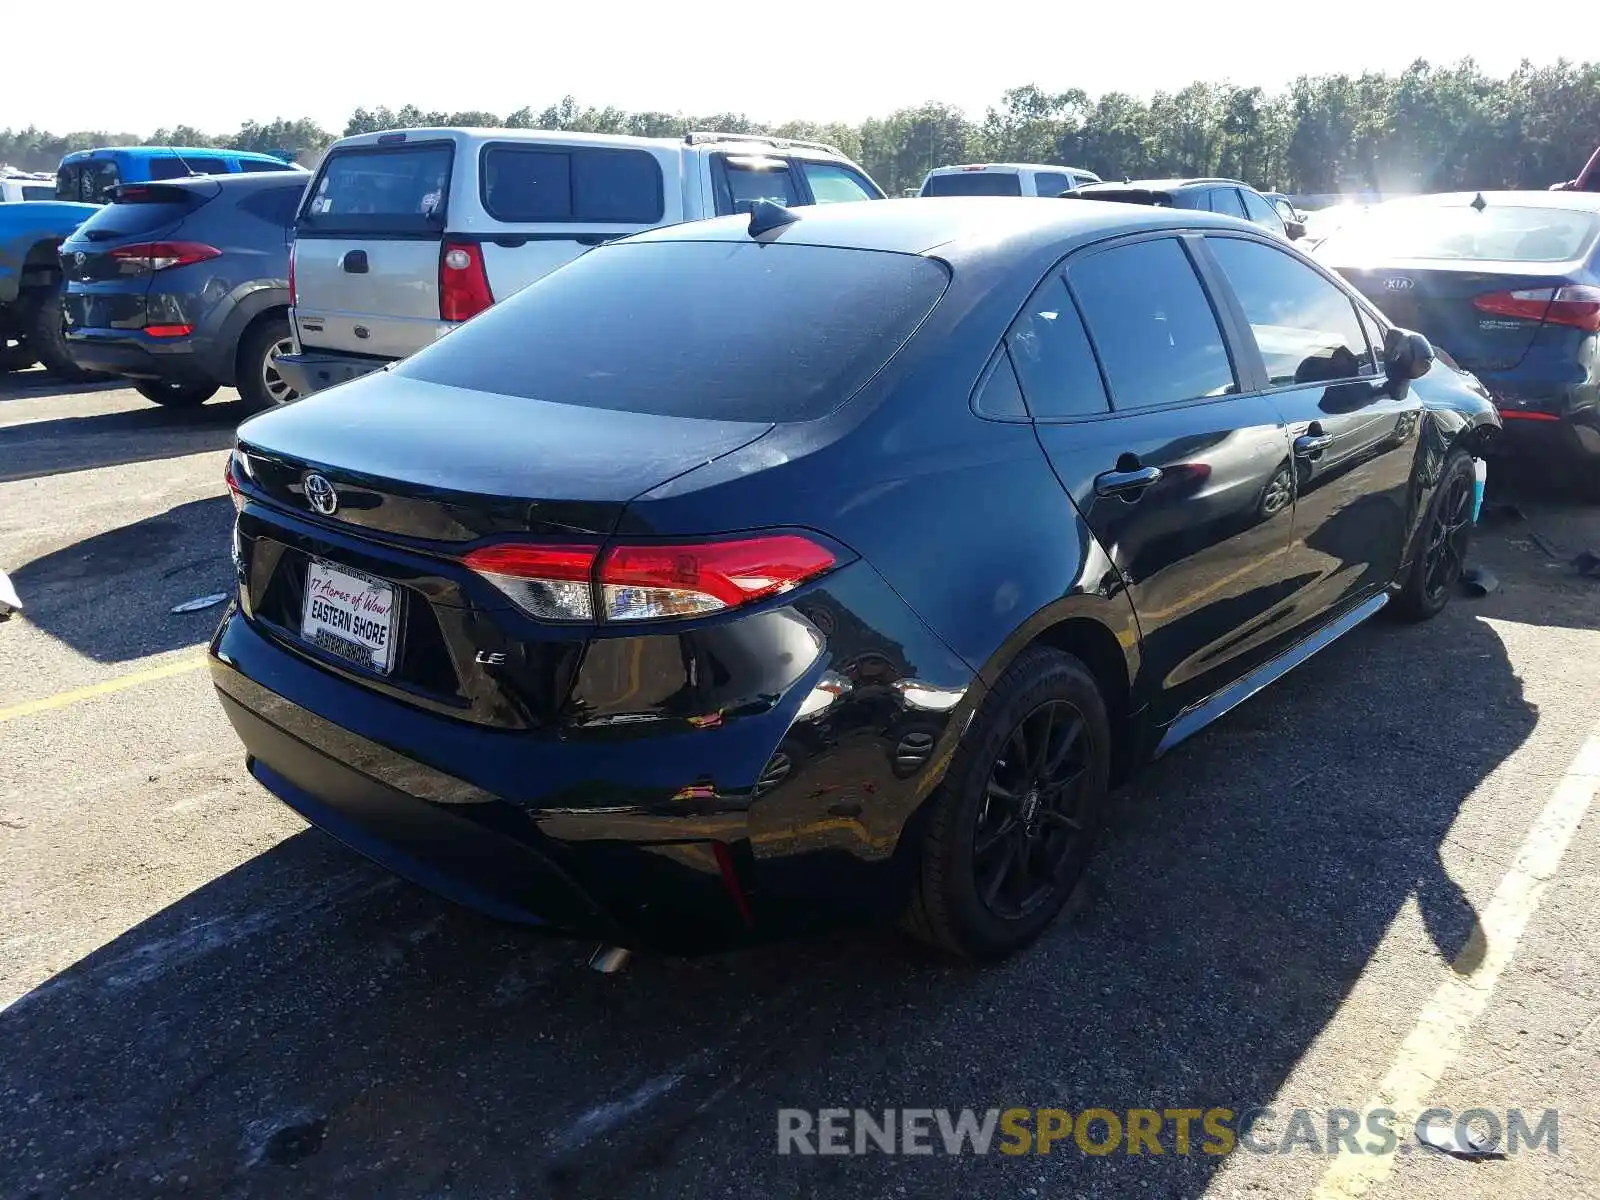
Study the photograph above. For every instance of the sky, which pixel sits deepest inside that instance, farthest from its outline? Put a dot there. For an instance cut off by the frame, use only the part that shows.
(216, 63)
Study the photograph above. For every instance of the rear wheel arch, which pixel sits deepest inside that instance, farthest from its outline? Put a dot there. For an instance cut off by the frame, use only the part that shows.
(250, 322)
(41, 269)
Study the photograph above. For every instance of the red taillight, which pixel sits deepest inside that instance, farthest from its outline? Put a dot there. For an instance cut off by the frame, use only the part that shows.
(1516, 414)
(463, 282)
(166, 331)
(233, 483)
(291, 275)
(1573, 304)
(554, 583)
(158, 256)
(649, 582)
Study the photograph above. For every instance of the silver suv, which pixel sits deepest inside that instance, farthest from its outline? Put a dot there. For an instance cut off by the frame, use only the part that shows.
(403, 235)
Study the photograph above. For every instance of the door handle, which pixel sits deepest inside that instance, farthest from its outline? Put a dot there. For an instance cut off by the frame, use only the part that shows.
(1308, 444)
(355, 262)
(1123, 483)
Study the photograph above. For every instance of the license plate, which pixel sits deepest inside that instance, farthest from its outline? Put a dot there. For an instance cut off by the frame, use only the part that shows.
(350, 614)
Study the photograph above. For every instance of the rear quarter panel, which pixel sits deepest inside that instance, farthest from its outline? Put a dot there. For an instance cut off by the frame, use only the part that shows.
(25, 227)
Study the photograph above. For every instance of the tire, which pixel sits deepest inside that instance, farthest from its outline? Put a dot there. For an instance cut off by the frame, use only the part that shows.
(47, 336)
(1443, 541)
(989, 807)
(260, 385)
(175, 395)
(16, 355)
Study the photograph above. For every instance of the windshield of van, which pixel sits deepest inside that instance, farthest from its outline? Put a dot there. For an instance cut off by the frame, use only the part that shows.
(735, 331)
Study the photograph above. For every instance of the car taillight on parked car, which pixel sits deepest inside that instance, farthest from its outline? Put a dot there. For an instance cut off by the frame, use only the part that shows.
(1573, 304)
(643, 581)
(158, 256)
(463, 281)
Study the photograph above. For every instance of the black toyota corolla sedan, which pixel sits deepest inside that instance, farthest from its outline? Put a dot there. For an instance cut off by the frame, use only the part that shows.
(782, 570)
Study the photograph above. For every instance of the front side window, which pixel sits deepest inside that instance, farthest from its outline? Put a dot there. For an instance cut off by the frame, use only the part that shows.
(578, 183)
(833, 184)
(1304, 325)
(1054, 361)
(1261, 213)
(1152, 324)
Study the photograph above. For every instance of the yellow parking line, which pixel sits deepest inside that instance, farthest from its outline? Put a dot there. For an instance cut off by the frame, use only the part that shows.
(104, 688)
(1437, 1037)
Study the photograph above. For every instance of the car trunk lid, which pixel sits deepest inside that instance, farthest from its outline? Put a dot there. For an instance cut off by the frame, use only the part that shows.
(1468, 310)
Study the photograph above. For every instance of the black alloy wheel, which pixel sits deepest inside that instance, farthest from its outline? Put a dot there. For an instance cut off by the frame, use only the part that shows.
(1032, 829)
(1442, 542)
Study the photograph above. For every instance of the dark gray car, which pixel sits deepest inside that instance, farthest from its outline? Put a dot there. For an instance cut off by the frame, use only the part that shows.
(183, 287)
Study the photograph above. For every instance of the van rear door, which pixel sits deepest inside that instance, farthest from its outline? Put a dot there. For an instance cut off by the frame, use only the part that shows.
(367, 241)
(544, 204)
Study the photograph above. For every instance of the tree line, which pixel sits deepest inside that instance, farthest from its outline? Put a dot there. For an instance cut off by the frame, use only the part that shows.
(1426, 128)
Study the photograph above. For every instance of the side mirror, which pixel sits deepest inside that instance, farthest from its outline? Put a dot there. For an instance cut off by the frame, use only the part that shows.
(1406, 355)
(1295, 229)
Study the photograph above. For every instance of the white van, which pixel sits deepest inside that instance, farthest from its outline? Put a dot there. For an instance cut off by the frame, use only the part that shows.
(1005, 179)
(402, 235)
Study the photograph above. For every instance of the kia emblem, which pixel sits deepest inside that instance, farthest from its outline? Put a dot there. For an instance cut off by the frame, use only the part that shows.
(320, 494)
(1398, 283)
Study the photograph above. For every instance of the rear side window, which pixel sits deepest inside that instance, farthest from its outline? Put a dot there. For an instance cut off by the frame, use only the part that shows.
(733, 331)
(1047, 183)
(1305, 327)
(1055, 364)
(274, 205)
(173, 167)
(974, 183)
(742, 179)
(578, 183)
(251, 166)
(1158, 339)
(391, 189)
(1226, 200)
(833, 184)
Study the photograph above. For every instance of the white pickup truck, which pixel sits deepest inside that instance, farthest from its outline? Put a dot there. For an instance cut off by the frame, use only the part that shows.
(402, 235)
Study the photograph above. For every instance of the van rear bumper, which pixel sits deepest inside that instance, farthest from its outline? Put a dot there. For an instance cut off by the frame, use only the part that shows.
(314, 370)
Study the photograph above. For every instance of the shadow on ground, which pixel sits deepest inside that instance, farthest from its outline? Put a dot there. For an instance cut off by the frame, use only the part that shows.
(52, 447)
(305, 1025)
(38, 384)
(109, 596)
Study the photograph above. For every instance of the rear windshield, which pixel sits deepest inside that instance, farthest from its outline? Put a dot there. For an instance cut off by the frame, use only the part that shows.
(88, 182)
(141, 209)
(381, 189)
(572, 183)
(724, 330)
(1498, 233)
(974, 183)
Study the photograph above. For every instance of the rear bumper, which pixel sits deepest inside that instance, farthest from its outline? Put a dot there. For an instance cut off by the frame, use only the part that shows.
(136, 356)
(316, 370)
(663, 840)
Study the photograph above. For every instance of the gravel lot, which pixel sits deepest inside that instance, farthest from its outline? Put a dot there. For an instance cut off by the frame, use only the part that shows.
(203, 997)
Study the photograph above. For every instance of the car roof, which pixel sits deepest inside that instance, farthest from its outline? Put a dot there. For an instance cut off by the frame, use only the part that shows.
(749, 144)
(1163, 185)
(959, 227)
(1057, 168)
(1583, 201)
(168, 152)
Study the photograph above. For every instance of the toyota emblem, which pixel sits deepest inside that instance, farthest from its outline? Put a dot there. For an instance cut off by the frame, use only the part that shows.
(1399, 283)
(320, 494)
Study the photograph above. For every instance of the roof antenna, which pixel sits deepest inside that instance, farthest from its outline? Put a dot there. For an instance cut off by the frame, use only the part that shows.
(765, 216)
(193, 174)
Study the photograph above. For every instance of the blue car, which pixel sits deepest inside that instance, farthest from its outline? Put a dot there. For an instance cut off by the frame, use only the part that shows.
(1508, 283)
(89, 176)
